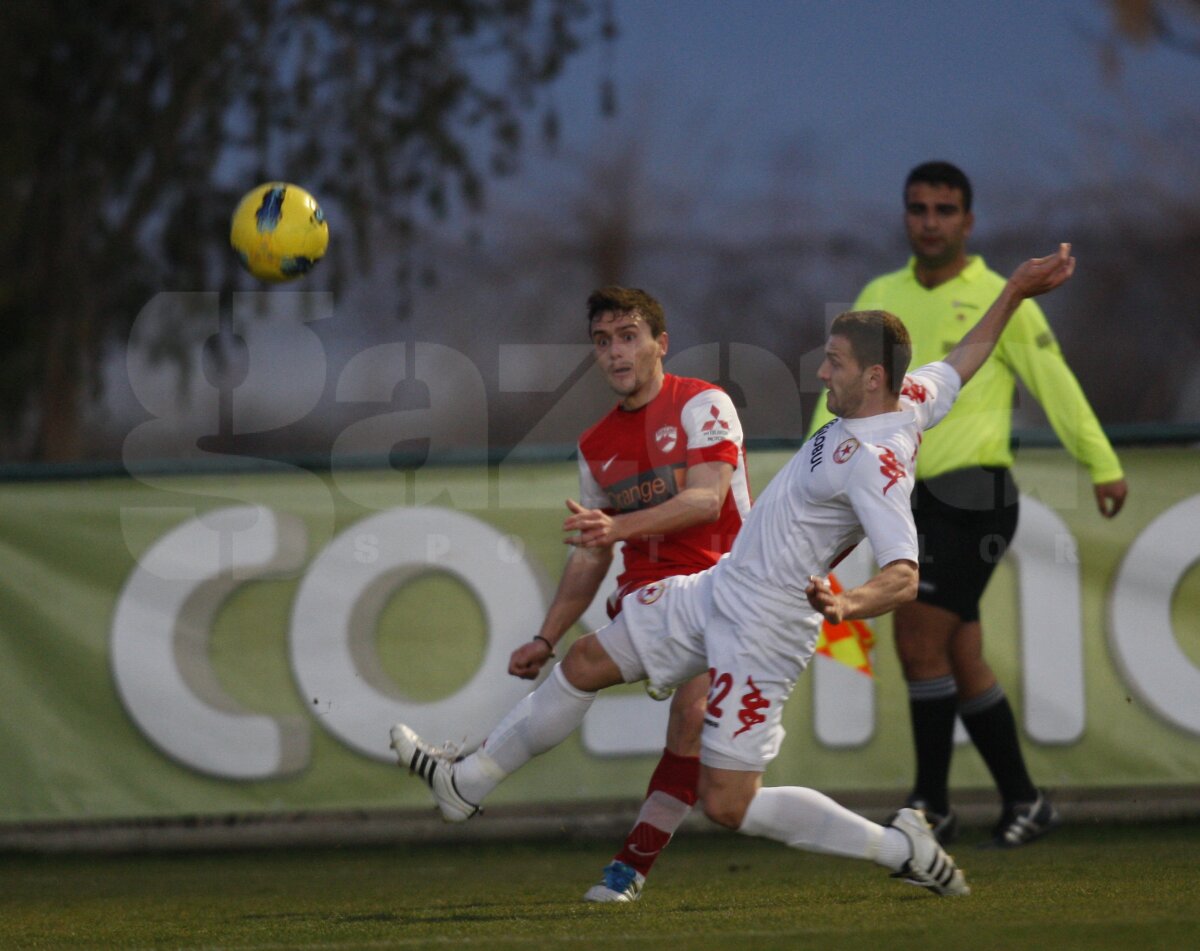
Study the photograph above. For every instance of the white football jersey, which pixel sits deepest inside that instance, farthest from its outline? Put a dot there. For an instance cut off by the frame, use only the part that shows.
(851, 480)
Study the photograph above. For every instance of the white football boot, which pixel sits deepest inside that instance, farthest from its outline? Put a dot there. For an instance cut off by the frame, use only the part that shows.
(435, 765)
(930, 866)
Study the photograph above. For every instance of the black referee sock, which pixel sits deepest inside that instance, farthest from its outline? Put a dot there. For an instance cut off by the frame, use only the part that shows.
(933, 705)
(993, 729)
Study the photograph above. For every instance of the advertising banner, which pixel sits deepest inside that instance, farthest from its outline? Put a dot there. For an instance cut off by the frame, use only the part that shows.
(236, 644)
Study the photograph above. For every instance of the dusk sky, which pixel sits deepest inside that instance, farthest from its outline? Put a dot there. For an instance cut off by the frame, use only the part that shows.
(848, 96)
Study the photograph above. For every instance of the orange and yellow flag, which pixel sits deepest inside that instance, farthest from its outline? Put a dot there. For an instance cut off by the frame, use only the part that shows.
(848, 643)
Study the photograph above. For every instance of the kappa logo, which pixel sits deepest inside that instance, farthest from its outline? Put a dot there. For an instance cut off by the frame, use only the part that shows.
(845, 450)
(651, 592)
(666, 437)
(891, 468)
(752, 702)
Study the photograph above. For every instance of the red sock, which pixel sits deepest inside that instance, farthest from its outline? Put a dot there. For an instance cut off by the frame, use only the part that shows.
(669, 798)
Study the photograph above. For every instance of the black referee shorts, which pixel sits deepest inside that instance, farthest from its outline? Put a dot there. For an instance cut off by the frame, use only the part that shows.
(965, 522)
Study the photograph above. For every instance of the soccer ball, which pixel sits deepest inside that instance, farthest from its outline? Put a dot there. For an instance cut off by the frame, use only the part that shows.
(279, 232)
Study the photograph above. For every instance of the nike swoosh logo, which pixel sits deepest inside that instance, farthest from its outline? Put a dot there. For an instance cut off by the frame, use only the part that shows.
(964, 303)
(642, 852)
(604, 465)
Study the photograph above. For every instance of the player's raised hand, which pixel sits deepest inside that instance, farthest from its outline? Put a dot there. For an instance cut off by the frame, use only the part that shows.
(822, 598)
(1040, 275)
(528, 660)
(593, 528)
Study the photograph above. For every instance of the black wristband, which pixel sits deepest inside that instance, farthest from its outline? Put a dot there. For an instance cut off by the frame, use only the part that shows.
(538, 637)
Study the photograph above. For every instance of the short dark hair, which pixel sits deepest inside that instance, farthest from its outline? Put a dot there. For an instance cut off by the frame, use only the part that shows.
(940, 173)
(877, 336)
(627, 300)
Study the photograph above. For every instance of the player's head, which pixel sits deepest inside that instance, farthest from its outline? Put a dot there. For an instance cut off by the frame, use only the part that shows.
(627, 300)
(937, 213)
(866, 356)
(629, 337)
(941, 173)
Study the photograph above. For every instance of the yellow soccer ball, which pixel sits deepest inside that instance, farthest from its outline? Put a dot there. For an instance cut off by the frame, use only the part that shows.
(279, 232)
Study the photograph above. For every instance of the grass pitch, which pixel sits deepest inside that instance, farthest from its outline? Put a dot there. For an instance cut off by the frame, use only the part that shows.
(1087, 887)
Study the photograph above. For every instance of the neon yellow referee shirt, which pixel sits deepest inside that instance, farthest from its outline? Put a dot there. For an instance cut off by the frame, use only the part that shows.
(977, 431)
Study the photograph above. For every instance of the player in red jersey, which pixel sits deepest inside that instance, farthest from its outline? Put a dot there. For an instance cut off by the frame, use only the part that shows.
(665, 473)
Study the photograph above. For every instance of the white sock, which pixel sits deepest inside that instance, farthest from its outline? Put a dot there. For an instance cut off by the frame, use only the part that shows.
(806, 819)
(541, 721)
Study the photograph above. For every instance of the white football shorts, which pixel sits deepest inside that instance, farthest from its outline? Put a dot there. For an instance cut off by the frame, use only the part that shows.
(670, 631)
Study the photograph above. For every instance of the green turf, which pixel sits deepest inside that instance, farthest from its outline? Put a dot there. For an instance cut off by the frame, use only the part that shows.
(1092, 888)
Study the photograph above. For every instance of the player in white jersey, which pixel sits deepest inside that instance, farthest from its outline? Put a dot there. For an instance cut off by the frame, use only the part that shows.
(753, 618)
(749, 619)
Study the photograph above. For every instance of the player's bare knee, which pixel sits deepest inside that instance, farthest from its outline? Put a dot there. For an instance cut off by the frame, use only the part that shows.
(587, 665)
(727, 795)
(578, 664)
(724, 810)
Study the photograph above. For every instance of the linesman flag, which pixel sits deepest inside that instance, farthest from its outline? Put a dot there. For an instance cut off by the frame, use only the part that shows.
(848, 643)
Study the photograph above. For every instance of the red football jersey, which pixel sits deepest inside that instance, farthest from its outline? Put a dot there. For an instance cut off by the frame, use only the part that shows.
(636, 459)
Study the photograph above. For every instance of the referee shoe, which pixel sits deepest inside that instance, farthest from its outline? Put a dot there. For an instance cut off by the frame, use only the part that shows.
(945, 827)
(1023, 822)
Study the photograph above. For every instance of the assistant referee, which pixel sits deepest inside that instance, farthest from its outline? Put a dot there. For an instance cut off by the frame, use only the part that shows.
(965, 500)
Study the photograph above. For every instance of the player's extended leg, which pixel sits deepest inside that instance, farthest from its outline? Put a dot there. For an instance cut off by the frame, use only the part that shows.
(988, 717)
(539, 722)
(669, 798)
(923, 635)
(806, 819)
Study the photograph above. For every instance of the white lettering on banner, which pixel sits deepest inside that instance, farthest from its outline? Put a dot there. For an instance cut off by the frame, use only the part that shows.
(165, 612)
(337, 607)
(1051, 608)
(1140, 632)
(159, 643)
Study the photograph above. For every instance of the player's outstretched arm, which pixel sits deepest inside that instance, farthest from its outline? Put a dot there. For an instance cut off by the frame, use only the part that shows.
(1036, 276)
(895, 584)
